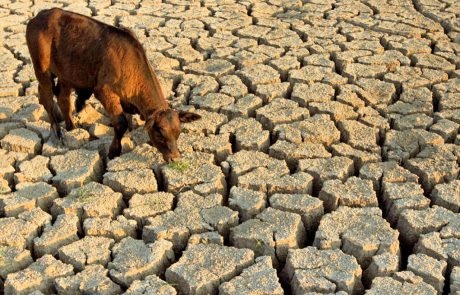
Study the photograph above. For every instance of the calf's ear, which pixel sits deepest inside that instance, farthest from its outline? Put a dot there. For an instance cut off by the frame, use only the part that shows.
(186, 117)
(149, 123)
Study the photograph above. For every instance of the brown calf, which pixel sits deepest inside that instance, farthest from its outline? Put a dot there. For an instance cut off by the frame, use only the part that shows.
(92, 57)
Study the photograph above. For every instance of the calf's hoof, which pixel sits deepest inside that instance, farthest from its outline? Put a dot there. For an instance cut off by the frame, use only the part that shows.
(70, 126)
(113, 152)
(57, 133)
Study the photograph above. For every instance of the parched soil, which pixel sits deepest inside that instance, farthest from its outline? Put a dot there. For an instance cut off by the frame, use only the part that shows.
(326, 160)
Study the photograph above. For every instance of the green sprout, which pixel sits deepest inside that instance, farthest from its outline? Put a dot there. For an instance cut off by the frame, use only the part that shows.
(83, 196)
(180, 166)
(4, 190)
(153, 202)
(3, 251)
(259, 245)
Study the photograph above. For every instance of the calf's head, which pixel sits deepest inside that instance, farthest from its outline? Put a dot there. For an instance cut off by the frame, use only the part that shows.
(163, 128)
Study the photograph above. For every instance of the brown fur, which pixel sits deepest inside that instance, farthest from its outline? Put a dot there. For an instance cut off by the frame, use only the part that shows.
(92, 57)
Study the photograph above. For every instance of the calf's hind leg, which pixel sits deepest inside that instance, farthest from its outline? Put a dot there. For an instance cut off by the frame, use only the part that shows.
(45, 97)
(65, 106)
(112, 105)
(39, 44)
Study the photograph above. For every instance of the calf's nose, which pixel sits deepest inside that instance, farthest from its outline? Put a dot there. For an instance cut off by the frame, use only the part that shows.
(174, 157)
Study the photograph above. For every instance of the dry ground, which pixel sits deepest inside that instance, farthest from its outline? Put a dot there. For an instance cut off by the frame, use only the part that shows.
(327, 159)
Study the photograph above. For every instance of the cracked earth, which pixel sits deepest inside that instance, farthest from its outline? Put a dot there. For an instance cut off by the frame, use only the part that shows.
(326, 160)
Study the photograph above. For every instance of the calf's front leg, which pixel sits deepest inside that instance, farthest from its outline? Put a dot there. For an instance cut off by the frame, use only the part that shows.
(120, 125)
(112, 105)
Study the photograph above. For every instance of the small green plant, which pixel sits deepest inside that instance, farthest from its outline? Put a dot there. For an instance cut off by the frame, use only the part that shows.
(152, 202)
(180, 166)
(3, 251)
(4, 190)
(259, 246)
(84, 196)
